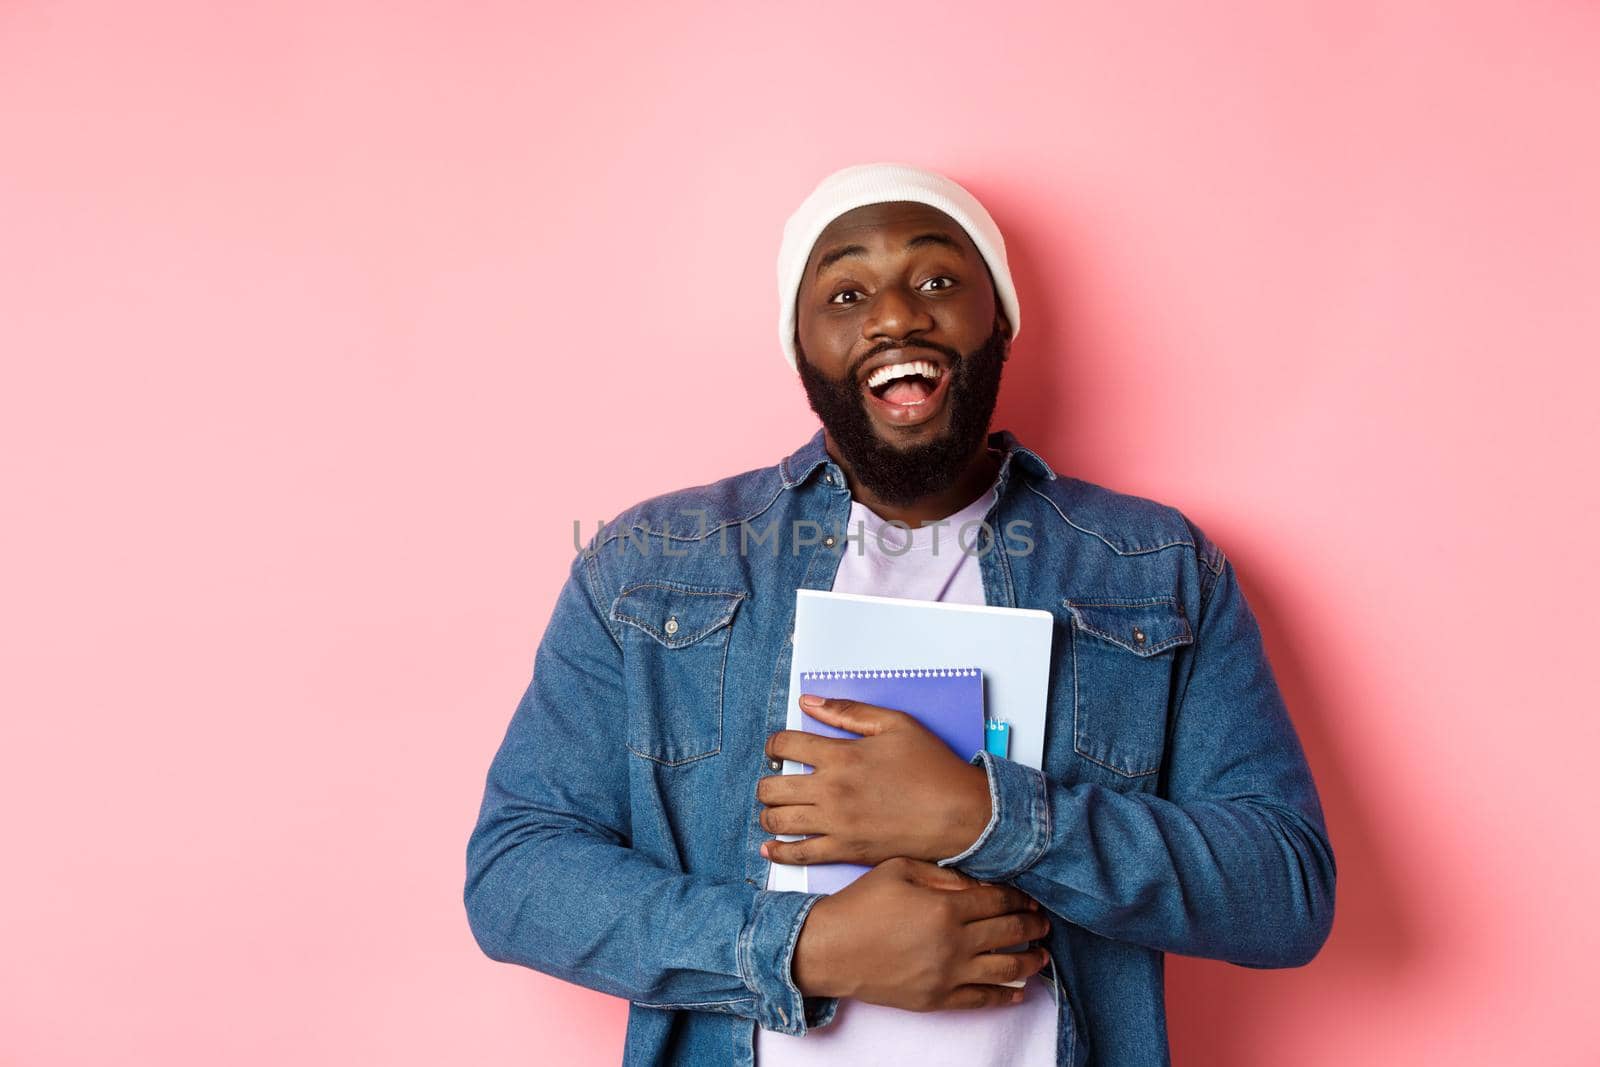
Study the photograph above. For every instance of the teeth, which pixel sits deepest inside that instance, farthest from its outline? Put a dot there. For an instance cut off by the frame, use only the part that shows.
(884, 375)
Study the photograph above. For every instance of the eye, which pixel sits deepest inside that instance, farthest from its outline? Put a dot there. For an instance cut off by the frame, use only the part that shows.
(834, 299)
(949, 281)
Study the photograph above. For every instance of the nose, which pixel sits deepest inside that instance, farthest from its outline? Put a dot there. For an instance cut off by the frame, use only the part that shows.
(896, 314)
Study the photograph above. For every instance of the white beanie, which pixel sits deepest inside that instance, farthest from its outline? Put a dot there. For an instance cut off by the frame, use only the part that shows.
(882, 183)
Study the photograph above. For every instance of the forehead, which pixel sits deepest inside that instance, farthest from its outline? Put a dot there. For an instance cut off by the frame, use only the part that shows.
(876, 226)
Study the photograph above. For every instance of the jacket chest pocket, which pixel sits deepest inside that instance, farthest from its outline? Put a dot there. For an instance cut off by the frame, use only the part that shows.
(1123, 653)
(674, 651)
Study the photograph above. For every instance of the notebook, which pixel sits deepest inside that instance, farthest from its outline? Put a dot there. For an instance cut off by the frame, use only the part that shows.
(853, 631)
(947, 700)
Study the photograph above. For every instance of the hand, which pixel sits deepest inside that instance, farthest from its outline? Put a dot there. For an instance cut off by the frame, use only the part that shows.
(896, 791)
(919, 937)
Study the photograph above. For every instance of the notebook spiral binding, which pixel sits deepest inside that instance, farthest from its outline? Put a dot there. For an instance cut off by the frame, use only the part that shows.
(904, 672)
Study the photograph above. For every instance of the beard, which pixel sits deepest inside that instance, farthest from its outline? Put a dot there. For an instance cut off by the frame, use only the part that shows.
(904, 475)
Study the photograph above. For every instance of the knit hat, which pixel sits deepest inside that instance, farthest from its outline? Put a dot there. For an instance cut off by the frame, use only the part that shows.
(882, 183)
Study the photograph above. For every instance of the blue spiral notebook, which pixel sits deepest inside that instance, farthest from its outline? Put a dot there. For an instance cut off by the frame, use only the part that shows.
(948, 701)
(1010, 647)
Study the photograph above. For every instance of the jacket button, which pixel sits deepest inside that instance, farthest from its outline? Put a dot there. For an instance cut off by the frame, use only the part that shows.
(672, 625)
(776, 765)
(1138, 636)
(828, 541)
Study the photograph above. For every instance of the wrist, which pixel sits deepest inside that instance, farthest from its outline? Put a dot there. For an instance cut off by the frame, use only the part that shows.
(971, 814)
(813, 967)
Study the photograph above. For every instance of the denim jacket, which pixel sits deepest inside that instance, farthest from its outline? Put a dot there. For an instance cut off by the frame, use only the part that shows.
(617, 842)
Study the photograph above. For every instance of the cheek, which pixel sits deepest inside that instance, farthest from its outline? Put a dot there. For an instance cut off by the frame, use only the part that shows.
(826, 348)
(976, 321)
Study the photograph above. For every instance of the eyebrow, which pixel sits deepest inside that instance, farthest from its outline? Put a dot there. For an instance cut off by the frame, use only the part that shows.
(931, 238)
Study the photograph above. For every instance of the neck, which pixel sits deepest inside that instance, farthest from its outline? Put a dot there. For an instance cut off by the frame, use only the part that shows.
(975, 478)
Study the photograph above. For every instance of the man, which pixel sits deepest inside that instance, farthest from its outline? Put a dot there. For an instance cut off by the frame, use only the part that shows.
(633, 812)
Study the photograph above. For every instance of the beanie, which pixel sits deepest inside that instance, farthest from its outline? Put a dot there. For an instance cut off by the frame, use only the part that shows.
(881, 183)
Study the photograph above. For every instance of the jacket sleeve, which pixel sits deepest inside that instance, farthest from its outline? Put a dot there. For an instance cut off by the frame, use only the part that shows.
(553, 884)
(1231, 861)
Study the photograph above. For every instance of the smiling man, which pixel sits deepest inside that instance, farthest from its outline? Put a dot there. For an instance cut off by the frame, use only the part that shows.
(628, 828)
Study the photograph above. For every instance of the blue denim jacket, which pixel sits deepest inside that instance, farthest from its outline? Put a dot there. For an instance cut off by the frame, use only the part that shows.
(617, 842)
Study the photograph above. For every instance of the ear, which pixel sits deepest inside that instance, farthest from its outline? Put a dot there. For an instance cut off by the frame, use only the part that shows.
(1000, 319)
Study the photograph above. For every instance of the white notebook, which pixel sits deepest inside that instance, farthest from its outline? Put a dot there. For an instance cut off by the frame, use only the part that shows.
(851, 631)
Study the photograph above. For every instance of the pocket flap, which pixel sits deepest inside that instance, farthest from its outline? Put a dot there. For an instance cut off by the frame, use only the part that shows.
(674, 613)
(1143, 626)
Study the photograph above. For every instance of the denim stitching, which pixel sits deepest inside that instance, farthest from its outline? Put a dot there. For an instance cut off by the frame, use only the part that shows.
(591, 581)
(1183, 638)
(1207, 552)
(1101, 537)
(790, 480)
(681, 587)
(688, 759)
(741, 948)
(675, 644)
(722, 682)
(1043, 820)
(1045, 468)
(676, 762)
(672, 642)
(746, 960)
(788, 953)
(1114, 770)
(1077, 736)
(669, 535)
(676, 587)
(745, 954)
(1205, 604)
(727, 1005)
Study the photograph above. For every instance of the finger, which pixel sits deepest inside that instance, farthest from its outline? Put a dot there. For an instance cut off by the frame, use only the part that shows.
(1003, 931)
(793, 819)
(820, 849)
(997, 967)
(934, 876)
(852, 715)
(801, 747)
(980, 996)
(775, 789)
(987, 901)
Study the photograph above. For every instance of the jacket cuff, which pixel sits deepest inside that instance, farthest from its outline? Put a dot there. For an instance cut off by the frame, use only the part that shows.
(1019, 823)
(766, 955)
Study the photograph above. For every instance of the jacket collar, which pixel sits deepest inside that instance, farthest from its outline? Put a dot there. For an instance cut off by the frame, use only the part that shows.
(799, 465)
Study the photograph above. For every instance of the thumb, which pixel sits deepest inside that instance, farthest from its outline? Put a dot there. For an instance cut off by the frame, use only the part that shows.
(933, 876)
(852, 715)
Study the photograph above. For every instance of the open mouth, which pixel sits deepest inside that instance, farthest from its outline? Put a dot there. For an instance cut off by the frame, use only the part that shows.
(908, 392)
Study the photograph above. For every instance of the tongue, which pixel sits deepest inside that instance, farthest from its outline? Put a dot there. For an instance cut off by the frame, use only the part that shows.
(907, 390)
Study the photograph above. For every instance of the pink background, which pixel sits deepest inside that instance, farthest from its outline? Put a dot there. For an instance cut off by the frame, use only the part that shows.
(321, 323)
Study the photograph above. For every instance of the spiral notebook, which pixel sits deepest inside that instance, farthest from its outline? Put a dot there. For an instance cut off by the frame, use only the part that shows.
(946, 700)
(1009, 646)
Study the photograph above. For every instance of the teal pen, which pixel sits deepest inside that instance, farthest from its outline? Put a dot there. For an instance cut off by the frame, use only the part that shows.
(996, 737)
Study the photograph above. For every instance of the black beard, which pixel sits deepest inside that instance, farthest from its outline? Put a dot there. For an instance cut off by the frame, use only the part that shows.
(902, 476)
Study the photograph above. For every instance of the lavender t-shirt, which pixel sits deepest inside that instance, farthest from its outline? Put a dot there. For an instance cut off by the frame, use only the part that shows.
(926, 563)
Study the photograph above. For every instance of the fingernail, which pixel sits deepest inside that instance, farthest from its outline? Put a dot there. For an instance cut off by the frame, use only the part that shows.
(810, 700)
(763, 850)
(1016, 997)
